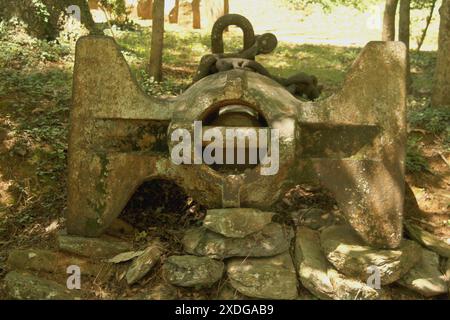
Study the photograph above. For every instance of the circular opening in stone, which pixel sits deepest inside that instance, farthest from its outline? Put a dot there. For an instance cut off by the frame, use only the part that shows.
(236, 115)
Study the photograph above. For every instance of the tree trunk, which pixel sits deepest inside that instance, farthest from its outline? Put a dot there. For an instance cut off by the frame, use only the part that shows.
(93, 4)
(425, 30)
(86, 17)
(226, 10)
(404, 33)
(389, 20)
(226, 7)
(173, 16)
(196, 14)
(155, 65)
(145, 9)
(441, 92)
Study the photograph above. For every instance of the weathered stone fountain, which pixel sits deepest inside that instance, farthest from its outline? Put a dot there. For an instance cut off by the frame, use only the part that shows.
(352, 144)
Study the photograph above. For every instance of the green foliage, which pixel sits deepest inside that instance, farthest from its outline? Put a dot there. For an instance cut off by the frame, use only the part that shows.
(44, 19)
(423, 65)
(430, 122)
(328, 63)
(35, 92)
(434, 120)
(124, 24)
(41, 10)
(18, 52)
(117, 7)
(415, 160)
(329, 4)
(153, 88)
(35, 79)
(422, 4)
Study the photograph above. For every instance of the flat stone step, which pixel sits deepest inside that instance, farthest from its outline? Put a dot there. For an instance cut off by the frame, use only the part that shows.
(54, 262)
(24, 286)
(264, 278)
(321, 279)
(105, 247)
(426, 278)
(192, 271)
(142, 264)
(237, 222)
(429, 240)
(352, 257)
(272, 240)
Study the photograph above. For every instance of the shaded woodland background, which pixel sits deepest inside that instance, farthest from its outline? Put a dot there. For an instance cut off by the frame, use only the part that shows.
(320, 37)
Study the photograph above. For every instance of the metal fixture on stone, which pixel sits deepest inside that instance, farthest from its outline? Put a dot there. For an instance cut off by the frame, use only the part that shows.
(352, 143)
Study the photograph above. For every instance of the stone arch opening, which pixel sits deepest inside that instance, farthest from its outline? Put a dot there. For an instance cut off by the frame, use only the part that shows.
(159, 206)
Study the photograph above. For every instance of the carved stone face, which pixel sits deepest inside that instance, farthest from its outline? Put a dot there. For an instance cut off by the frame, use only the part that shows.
(352, 143)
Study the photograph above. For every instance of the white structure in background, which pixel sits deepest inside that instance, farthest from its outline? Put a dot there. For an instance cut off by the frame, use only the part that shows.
(74, 20)
(375, 21)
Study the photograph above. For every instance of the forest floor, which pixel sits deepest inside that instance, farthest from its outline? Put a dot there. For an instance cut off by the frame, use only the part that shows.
(35, 99)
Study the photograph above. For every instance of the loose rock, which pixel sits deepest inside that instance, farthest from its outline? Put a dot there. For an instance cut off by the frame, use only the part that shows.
(312, 266)
(313, 218)
(273, 239)
(125, 256)
(264, 278)
(237, 222)
(304, 294)
(426, 278)
(319, 277)
(447, 274)
(93, 247)
(162, 291)
(192, 271)
(23, 286)
(227, 292)
(447, 271)
(346, 288)
(54, 262)
(350, 256)
(399, 292)
(432, 242)
(144, 263)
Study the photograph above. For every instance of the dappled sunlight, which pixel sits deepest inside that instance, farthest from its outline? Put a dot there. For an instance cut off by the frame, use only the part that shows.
(102, 201)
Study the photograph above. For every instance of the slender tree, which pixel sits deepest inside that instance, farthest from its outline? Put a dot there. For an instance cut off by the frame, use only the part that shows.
(226, 7)
(421, 40)
(404, 32)
(155, 65)
(441, 91)
(389, 20)
(226, 10)
(196, 14)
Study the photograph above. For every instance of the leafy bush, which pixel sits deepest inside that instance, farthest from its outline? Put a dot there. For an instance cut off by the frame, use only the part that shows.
(19, 51)
(434, 120)
(44, 18)
(116, 7)
(125, 24)
(327, 5)
(415, 161)
(41, 22)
